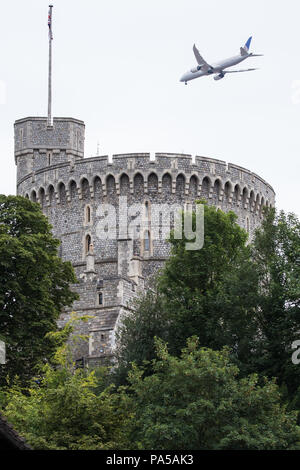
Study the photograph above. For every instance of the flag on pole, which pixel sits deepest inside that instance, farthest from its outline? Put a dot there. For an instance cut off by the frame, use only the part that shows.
(50, 23)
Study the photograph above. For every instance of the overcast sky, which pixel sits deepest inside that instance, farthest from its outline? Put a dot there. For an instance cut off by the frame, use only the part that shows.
(117, 66)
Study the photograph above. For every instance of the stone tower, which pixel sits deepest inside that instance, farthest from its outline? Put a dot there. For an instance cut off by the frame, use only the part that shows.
(38, 145)
(74, 193)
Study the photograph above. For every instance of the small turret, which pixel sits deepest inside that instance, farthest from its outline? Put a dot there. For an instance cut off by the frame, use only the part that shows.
(38, 145)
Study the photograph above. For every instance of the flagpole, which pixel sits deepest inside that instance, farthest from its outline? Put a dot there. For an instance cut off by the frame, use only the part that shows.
(50, 68)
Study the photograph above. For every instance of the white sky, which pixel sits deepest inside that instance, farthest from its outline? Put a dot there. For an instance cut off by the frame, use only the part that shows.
(117, 66)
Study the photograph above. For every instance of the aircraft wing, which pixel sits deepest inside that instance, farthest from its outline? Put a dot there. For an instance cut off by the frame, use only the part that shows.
(238, 71)
(200, 60)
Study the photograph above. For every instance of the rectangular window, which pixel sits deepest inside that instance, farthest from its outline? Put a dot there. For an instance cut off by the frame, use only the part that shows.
(147, 241)
(21, 138)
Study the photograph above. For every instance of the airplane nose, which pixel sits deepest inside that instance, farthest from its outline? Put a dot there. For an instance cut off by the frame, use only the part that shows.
(184, 77)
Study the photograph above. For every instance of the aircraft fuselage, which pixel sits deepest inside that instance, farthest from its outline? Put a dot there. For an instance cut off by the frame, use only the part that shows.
(218, 67)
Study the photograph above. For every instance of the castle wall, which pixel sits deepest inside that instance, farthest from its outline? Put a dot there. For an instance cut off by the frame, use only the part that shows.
(67, 188)
(73, 190)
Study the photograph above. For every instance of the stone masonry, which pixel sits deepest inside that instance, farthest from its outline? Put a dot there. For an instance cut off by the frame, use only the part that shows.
(71, 189)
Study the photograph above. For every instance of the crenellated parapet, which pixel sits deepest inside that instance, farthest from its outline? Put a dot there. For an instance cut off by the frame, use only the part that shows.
(191, 177)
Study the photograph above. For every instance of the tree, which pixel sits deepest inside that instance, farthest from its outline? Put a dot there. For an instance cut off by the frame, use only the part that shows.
(34, 285)
(135, 337)
(210, 293)
(276, 255)
(195, 285)
(65, 408)
(196, 402)
(230, 294)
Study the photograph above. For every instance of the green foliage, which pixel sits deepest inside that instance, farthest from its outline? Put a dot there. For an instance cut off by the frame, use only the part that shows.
(68, 409)
(195, 285)
(210, 293)
(197, 402)
(202, 269)
(199, 396)
(276, 255)
(192, 402)
(34, 286)
(230, 294)
(135, 338)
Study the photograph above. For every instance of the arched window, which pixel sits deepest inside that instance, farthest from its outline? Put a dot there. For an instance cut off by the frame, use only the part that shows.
(206, 183)
(97, 188)
(166, 184)
(245, 196)
(62, 193)
(236, 194)
(85, 189)
(257, 202)
(147, 210)
(152, 183)
(138, 184)
(42, 196)
(88, 243)
(193, 186)
(51, 194)
(252, 201)
(124, 185)
(227, 191)
(111, 186)
(88, 215)
(33, 196)
(180, 185)
(147, 241)
(217, 188)
(73, 189)
(262, 205)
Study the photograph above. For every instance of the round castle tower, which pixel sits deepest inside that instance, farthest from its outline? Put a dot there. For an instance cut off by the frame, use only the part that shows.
(71, 189)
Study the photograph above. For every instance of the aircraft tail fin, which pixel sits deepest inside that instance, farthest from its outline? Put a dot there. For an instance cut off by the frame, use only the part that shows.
(245, 49)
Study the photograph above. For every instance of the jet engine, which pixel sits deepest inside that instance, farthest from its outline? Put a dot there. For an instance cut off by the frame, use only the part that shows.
(196, 69)
(219, 76)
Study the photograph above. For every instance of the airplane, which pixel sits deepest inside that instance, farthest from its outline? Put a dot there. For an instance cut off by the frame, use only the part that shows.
(203, 68)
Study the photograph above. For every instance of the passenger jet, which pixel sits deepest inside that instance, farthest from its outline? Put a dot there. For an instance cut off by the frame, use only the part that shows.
(203, 68)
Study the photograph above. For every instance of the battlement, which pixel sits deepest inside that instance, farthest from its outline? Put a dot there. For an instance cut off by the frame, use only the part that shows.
(132, 164)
